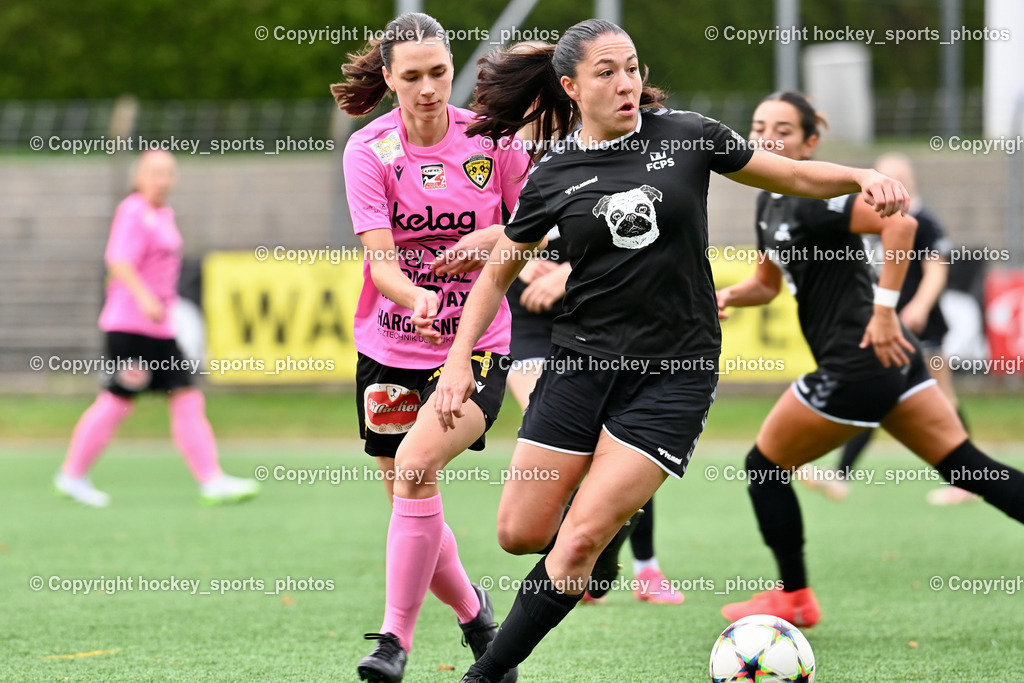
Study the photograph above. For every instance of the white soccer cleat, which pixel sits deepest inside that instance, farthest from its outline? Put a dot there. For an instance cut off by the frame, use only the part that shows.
(227, 489)
(950, 495)
(826, 481)
(81, 490)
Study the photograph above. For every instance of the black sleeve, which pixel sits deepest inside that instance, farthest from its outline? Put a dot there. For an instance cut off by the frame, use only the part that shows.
(729, 151)
(828, 215)
(530, 220)
(762, 202)
(930, 238)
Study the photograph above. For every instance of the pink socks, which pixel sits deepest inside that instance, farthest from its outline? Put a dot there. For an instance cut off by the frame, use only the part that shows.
(94, 431)
(422, 553)
(450, 583)
(193, 435)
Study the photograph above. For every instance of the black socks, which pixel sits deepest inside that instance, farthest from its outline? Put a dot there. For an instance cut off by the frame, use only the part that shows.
(778, 516)
(538, 608)
(852, 450)
(972, 470)
(642, 538)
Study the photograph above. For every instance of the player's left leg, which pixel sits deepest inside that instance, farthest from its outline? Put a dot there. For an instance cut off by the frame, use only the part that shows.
(943, 376)
(927, 423)
(619, 482)
(650, 584)
(194, 437)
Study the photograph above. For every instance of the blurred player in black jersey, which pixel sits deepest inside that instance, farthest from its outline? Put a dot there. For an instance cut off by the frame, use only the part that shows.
(870, 369)
(633, 368)
(918, 309)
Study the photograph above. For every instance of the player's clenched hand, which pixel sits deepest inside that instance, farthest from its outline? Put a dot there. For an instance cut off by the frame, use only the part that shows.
(886, 195)
(153, 308)
(884, 334)
(541, 294)
(454, 387)
(424, 311)
(468, 254)
(535, 268)
(723, 302)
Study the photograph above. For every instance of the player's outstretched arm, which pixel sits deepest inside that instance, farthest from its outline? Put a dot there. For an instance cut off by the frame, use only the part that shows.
(456, 382)
(883, 332)
(822, 180)
(757, 290)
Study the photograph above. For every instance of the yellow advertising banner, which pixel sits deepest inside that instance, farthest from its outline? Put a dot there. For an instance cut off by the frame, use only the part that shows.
(277, 321)
(285, 322)
(761, 344)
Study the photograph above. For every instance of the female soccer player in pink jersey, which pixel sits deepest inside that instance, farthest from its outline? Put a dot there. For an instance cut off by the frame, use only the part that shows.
(144, 259)
(422, 196)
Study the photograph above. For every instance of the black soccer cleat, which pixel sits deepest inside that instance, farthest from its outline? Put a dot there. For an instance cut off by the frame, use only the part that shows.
(478, 633)
(475, 678)
(386, 664)
(606, 569)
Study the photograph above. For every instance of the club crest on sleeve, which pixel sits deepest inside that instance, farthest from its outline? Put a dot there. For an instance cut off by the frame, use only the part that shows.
(478, 169)
(388, 148)
(432, 177)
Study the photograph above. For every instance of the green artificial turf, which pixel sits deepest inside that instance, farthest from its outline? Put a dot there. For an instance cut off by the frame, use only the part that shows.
(871, 560)
(249, 413)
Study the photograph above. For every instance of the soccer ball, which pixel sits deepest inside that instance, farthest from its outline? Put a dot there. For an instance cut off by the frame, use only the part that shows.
(764, 649)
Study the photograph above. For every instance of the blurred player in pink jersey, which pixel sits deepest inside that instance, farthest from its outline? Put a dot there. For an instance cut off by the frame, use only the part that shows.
(144, 260)
(423, 198)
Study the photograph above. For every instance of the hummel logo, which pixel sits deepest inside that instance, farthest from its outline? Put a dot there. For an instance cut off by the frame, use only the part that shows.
(668, 456)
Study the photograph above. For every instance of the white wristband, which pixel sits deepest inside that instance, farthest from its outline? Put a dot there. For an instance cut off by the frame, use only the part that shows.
(886, 297)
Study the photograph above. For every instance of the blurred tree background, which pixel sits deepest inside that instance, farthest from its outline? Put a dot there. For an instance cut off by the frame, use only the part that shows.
(194, 50)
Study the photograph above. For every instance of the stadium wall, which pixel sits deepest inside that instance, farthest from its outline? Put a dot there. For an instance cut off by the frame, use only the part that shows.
(55, 216)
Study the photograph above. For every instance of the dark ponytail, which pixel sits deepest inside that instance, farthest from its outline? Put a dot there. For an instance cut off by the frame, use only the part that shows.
(811, 122)
(517, 87)
(512, 81)
(365, 86)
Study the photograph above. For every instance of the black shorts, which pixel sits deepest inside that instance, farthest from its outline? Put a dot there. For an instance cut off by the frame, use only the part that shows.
(659, 414)
(388, 399)
(863, 402)
(531, 336)
(144, 363)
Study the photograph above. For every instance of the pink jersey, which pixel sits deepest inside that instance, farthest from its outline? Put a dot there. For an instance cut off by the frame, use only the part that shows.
(146, 237)
(429, 197)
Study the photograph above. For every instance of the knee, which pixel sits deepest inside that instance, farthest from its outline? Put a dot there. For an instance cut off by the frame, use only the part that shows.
(416, 468)
(761, 471)
(582, 545)
(517, 538)
(187, 399)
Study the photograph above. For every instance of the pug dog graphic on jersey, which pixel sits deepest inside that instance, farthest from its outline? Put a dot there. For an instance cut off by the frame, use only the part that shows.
(631, 216)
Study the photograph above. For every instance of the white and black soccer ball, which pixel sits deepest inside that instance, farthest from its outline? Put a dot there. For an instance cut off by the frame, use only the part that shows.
(764, 649)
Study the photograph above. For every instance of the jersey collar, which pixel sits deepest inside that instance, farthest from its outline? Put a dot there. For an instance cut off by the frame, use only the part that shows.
(607, 143)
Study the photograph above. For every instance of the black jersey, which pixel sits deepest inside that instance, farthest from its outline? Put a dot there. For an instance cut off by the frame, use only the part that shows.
(633, 218)
(929, 242)
(828, 269)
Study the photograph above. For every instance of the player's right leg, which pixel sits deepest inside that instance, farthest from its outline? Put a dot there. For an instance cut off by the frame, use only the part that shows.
(100, 421)
(792, 435)
(92, 434)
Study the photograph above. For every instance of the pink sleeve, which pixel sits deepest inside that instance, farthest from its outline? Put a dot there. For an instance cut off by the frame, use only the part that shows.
(365, 188)
(127, 239)
(514, 162)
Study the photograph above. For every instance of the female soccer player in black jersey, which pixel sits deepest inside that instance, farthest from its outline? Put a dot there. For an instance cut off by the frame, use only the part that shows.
(870, 370)
(632, 368)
